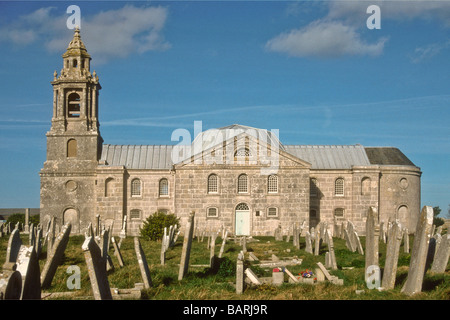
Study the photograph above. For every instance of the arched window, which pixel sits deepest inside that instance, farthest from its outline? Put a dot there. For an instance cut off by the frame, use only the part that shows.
(402, 213)
(365, 186)
(242, 152)
(242, 184)
(339, 187)
(108, 187)
(74, 105)
(242, 206)
(163, 187)
(136, 188)
(313, 187)
(213, 183)
(72, 148)
(272, 184)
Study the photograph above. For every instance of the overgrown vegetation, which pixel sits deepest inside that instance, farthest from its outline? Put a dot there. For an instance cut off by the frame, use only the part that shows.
(153, 227)
(20, 217)
(218, 283)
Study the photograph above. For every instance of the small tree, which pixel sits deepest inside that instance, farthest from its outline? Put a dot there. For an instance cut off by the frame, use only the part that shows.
(153, 227)
(437, 220)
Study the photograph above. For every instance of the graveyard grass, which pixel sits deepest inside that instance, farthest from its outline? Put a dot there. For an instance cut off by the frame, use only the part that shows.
(204, 283)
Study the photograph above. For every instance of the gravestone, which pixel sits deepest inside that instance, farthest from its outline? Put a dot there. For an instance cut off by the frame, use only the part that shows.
(55, 256)
(104, 247)
(372, 238)
(117, 252)
(10, 285)
(27, 221)
(252, 276)
(222, 248)
(142, 261)
(442, 255)
(12, 251)
(348, 241)
(358, 243)
(392, 251)
(187, 243)
(278, 234)
(239, 276)
(332, 255)
(28, 266)
(406, 240)
(308, 242)
(96, 266)
(416, 271)
(291, 276)
(317, 242)
(212, 250)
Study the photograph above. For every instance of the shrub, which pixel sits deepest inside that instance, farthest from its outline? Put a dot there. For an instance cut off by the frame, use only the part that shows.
(153, 227)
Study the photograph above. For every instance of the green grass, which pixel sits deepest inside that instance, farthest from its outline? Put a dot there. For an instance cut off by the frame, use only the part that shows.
(204, 283)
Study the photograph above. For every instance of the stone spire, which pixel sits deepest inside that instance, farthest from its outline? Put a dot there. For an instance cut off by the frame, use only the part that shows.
(76, 47)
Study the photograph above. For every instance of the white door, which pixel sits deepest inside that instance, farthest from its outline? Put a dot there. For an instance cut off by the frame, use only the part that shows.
(242, 220)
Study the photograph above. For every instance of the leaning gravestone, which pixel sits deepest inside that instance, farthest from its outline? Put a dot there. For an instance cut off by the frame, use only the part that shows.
(28, 266)
(143, 266)
(392, 250)
(55, 256)
(187, 243)
(12, 251)
(117, 252)
(96, 266)
(419, 252)
(372, 238)
(442, 255)
(308, 242)
(10, 285)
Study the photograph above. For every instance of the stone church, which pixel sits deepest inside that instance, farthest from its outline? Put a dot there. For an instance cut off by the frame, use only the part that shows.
(238, 177)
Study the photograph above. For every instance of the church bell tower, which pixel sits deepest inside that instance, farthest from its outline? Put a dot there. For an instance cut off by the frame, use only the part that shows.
(73, 142)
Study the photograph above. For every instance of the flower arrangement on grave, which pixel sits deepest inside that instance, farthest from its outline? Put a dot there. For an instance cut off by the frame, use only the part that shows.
(307, 274)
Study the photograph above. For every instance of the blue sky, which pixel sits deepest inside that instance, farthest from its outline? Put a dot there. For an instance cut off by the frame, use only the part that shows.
(311, 69)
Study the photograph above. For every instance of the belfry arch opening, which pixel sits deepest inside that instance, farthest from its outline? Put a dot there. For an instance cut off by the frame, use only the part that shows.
(74, 105)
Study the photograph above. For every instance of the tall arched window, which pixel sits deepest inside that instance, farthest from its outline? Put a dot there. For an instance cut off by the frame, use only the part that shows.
(72, 148)
(213, 183)
(313, 187)
(365, 186)
(108, 187)
(339, 187)
(163, 187)
(272, 183)
(136, 189)
(74, 105)
(242, 183)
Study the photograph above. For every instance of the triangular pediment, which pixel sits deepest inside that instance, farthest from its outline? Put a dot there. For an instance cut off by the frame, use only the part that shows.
(237, 145)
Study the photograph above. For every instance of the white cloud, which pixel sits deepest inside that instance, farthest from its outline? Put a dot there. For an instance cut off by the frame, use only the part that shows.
(107, 35)
(324, 39)
(426, 52)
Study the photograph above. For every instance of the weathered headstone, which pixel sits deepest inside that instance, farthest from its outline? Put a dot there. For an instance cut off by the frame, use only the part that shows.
(212, 250)
(392, 251)
(27, 221)
(332, 255)
(96, 266)
(117, 252)
(416, 271)
(142, 261)
(12, 251)
(54, 257)
(278, 234)
(186, 251)
(239, 276)
(224, 240)
(371, 238)
(348, 241)
(406, 240)
(358, 243)
(317, 242)
(442, 255)
(28, 266)
(252, 276)
(308, 242)
(10, 285)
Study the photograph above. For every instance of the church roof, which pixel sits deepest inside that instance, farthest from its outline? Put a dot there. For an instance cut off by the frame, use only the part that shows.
(387, 156)
(76, 46)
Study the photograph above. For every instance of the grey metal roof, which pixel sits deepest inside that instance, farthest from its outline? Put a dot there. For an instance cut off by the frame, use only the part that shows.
(159, 156)
(138, 156)
(330, 157)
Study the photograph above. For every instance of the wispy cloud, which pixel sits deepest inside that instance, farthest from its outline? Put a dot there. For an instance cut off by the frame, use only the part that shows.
(324, 39)
(108, 34)
(426, 52)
